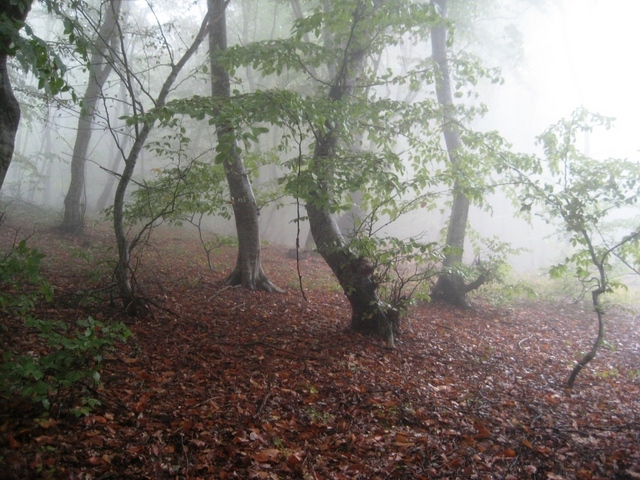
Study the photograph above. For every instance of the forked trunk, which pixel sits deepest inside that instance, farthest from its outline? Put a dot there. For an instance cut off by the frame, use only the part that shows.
(124, 272)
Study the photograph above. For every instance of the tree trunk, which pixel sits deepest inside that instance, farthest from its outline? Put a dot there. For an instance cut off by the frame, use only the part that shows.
(106, 196)
(354, 273)
(603, 285)
(99, 69)
(9, 119)
(248, 271)
(9, 106)
(450, 286)
(123, 272)
(591, 354)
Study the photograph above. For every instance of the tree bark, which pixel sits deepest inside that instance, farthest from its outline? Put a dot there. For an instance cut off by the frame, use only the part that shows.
(248, 271)
(9, 106)
(450, 286)
(100, 67)
(355, 274)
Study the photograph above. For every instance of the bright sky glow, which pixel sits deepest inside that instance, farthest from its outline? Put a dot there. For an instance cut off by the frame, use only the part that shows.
(584, 52)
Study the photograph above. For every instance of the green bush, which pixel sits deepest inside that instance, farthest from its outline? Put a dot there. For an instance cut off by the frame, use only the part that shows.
(72, 364)
(21, 282)
(68, 366)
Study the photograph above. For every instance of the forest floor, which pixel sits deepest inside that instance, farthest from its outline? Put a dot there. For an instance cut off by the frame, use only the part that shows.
(222, 382)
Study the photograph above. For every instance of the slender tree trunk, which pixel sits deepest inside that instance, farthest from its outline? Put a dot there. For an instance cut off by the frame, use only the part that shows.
(123, 272)
(107, 192)
(248, 271)
(9, 106)
(106, 195)
(597, 306)
(100, 67)
(450, 286)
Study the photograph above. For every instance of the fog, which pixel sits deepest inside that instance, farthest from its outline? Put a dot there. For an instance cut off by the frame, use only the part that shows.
(574, 53)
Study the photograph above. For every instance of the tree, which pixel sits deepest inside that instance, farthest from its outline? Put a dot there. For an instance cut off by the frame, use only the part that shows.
(34, 55)
(248, 271)
(470, 156)
(12, 17)
(123, 272)
(334, 94)
(451, 285)
(583, 194)
(354, 272)
(99, 67)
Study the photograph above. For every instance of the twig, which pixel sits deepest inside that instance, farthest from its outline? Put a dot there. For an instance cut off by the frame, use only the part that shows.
(219, 292)
(262, 404)
(525, 339)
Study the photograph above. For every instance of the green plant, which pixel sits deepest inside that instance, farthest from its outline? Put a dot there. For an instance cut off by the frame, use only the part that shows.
(72, 362)
(634, 375)
(71, 357)
(585, 196)
(317, 416)
(610, 373)
(98, 257)
(21, 282)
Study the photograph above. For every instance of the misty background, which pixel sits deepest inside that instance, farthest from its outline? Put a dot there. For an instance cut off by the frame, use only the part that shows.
(554, 57)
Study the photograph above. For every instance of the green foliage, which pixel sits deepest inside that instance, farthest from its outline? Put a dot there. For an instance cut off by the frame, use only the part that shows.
(344, 35)
(402, 268)
(34, 54)
(73, 361)
(583, 195)
(72, 356)
(177, 192)
(21, 282)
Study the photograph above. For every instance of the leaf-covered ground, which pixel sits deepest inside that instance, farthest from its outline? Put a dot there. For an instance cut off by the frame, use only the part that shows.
(225, 383)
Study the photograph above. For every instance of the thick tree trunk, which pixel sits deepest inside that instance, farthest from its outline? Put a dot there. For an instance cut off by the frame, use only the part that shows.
(248, 271)
(450, 286)
(99, 69)
(9, 119)
(354, 273)
(9, 106)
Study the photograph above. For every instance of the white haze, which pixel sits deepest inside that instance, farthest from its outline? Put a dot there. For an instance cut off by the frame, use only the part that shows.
(576, 53)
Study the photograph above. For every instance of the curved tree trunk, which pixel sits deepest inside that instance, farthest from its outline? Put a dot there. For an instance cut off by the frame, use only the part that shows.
(123, 272)
(9, 119)
(603, 285)
(248, 271)
(100, 67)
(450, 286)
(354, 273)
(9, 106)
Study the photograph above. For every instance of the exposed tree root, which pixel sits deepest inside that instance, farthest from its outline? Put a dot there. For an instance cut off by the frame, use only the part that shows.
(258, 281)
